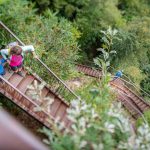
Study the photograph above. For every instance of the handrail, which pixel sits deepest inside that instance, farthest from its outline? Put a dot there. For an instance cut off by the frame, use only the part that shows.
(5, 27)
(132, 83)
(134, 106)
(135, 86)
(57, 78)
(132, 91)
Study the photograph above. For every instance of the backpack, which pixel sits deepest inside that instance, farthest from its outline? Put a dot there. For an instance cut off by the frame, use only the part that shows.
(2, 70)
(16, 60)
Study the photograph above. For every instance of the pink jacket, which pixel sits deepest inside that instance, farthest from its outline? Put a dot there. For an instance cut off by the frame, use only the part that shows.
(16, 60)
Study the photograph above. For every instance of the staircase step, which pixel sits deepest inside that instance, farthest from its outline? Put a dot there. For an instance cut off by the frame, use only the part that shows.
(15, 79)
(25, 82)
(8, 74)
(44, 92)
(61, 111)
(55, 106)
(65, 118)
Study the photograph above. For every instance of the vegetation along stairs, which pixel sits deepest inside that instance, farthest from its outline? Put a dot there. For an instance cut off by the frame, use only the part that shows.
(15, 88)
(135, 104)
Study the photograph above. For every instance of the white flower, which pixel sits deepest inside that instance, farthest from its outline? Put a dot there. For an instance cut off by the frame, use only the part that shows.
(110, 127)
(61, 126)
(83, 144)
(82, 122)
(74, 103)
(57, 119)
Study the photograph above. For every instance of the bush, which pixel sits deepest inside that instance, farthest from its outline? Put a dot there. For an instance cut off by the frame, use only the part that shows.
(55, 39)
(134, 8)
(124, 44)
(93, 17)
(145, 85)
(146, 116)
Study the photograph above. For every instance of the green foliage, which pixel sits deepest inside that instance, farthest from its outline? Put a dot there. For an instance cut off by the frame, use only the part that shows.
(96, 124)
(95, 16)
(107, 52)
(91, 131)
(145, 85)
(2, 1)
(124, 44)
(135, 74)
(146, 69)
(146, 116)
(6, 103)
(89, 16)
(133, 49)
(42, 4)
(134, 8)
(108, 36)
(55, 40)
(65, 8)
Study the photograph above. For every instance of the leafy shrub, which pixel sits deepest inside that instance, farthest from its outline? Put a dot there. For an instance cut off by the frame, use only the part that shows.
(124, 44)
(136, 52)
(134, 8)
(135, 74)
(91, 131)
(145, 85)
(89, 16)
(97, 15)
(146, 116)
(55, 40)
(146, 69)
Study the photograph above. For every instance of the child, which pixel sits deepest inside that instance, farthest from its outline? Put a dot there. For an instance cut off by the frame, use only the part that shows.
(11, 54)
(25, 49)
(16, 59)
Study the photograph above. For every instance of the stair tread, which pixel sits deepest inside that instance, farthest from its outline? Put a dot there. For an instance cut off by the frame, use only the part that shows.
(61, 111)
(15, 79)
(24, 83)
(8, 74)
(44, 92)
(55, 106)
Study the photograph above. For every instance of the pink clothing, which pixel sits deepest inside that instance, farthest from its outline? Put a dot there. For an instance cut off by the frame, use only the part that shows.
(16, 60)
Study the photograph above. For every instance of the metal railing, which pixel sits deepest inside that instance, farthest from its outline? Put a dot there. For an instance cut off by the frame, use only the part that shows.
(133, 107)
(15, 136)
(56, 84)
(130, 84)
